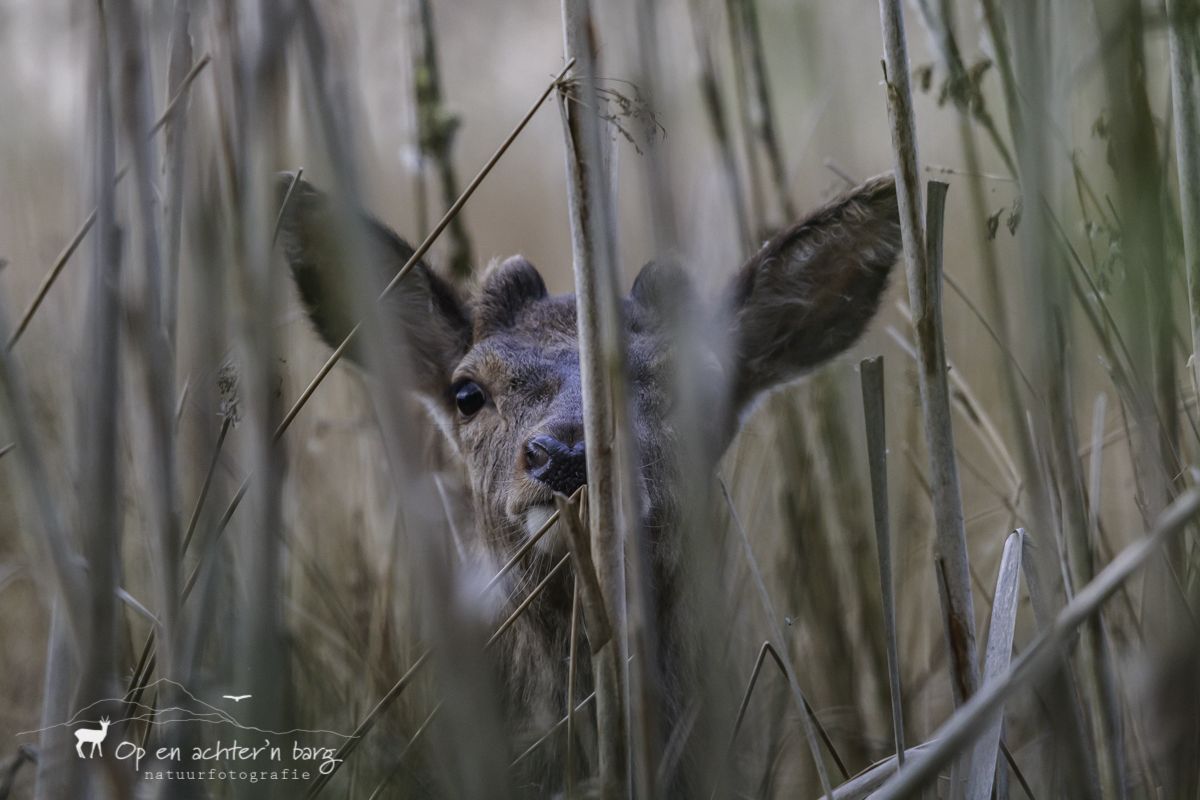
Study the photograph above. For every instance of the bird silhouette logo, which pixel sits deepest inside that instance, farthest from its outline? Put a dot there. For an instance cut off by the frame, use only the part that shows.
(237, 698)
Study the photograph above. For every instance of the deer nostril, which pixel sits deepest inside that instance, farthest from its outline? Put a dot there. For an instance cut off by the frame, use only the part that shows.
(536, 454)
(563, 468)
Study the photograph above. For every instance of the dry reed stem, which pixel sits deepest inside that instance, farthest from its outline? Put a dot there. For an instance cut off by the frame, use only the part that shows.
(739, 44)
(436, 128)
(874, 412)
(53, 543)
(1147, 294)
(714, 107)
(973, 411)
(154, 325)
(597, 623)
(1182, 41)
(762, 112)
(610, 454)
(922, 251)
(942, 23)
(572, 655)
(174, 166)
(664, 224)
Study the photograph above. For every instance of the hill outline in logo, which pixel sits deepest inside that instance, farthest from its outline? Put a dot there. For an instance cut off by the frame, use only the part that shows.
(209, 714)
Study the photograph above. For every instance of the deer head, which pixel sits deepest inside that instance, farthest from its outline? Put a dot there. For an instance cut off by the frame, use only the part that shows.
(499, 370)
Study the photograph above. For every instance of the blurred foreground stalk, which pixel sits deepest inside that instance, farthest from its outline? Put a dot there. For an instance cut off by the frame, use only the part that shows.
(605, 417)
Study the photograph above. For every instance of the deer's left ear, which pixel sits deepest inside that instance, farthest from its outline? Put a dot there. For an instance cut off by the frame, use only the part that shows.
(326, 241)
(809, 293)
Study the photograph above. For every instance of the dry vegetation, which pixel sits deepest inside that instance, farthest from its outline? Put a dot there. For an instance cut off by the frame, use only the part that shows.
(1002, 529)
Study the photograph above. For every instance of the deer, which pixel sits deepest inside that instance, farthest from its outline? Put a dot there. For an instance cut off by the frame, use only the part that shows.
(497, 368)
(94, 737)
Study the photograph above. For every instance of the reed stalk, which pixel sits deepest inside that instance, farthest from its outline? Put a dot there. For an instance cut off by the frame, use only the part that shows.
(922, 258)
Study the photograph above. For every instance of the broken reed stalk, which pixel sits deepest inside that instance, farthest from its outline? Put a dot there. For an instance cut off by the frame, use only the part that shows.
(1185, 105)
(964, 727)
(871, 376)
(922, 256)
(605, 411)
(436, 128)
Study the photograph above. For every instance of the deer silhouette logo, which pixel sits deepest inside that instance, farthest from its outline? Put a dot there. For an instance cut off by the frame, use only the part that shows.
(94, 737)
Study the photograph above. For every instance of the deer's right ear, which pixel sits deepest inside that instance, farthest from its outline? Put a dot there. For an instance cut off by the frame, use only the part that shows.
(809, 293)
(318, 235)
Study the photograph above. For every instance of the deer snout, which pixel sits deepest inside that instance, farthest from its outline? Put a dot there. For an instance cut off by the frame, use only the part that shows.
(558, 465)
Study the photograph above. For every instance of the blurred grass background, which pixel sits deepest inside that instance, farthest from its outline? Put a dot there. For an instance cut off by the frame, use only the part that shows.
(796, 473)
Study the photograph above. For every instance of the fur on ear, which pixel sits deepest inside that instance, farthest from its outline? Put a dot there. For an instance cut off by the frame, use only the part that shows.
(316, 233)
(665, 292)
(809, 292)
(508, 287)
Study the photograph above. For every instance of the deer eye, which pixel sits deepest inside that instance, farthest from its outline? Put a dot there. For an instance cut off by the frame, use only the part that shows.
(469, 397)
